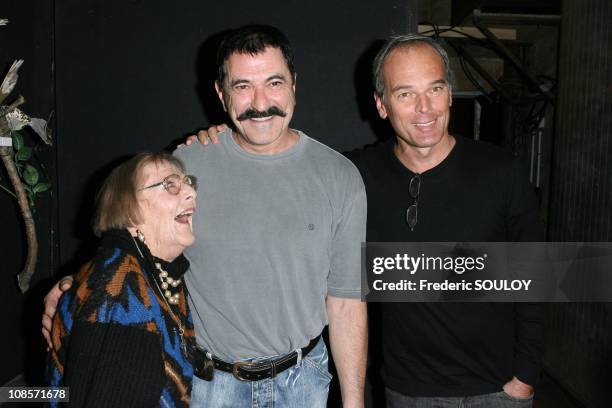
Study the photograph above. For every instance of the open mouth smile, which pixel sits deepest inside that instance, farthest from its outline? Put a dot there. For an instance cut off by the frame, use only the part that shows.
(262, 119)
(427, 124)
(185, 216)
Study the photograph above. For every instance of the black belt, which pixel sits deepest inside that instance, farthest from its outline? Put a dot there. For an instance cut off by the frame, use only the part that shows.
(249, 371)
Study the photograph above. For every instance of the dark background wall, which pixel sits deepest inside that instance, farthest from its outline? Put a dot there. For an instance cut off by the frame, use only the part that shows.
(136, 75)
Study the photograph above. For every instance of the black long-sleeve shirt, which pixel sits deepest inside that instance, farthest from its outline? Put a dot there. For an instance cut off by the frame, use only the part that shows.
(479, 193)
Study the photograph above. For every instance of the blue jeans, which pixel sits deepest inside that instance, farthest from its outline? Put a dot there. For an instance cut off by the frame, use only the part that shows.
(304, 385)
(494, 400)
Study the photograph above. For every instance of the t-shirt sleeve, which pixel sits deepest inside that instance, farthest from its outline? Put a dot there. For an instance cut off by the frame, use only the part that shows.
(344, 278)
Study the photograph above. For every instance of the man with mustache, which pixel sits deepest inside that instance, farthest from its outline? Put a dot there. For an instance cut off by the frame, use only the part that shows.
(277, 258)
(281, 233)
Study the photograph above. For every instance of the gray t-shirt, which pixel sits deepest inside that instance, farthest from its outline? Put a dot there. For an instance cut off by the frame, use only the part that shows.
(275, 235)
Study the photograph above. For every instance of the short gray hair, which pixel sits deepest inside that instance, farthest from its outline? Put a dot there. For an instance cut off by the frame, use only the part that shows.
(406, 41)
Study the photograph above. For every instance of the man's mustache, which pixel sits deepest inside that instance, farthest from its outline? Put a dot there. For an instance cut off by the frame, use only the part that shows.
(254, 114)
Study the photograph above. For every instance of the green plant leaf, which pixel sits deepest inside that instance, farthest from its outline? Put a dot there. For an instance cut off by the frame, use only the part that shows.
(30, 175)
(17, 140)
(23, 154)
(41, 187)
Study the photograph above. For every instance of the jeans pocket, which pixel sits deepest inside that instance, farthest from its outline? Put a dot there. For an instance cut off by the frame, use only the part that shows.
(318, 359)
(321, 370)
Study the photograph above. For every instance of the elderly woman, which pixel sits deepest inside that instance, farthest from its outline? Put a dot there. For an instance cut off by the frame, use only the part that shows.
(123, 332)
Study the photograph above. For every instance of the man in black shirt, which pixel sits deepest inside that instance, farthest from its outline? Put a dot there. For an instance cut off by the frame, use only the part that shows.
(428, 185)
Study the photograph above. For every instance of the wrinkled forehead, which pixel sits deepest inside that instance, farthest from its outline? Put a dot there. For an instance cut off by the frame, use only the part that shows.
(269, 60)
(418, 63)
(156, 171)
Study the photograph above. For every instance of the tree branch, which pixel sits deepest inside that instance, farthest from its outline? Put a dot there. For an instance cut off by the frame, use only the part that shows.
(24, 277)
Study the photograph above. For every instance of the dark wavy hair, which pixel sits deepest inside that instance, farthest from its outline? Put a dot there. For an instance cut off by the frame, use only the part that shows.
(252, 39)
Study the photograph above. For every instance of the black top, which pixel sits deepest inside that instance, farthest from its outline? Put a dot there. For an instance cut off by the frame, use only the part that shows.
(479, 193)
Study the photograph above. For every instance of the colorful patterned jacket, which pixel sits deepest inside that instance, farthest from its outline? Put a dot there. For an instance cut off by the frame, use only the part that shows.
(116, 343)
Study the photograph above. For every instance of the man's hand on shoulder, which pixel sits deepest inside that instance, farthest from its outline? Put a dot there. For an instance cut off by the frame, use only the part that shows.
(210, 135)
(518, 389)
(51, 301)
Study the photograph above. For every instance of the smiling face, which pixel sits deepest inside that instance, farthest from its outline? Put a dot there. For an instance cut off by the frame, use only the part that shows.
(165, 218)
(417, 98)
(259, 95)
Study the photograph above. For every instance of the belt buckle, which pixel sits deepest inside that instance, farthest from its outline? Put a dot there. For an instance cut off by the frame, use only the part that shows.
(238, 365)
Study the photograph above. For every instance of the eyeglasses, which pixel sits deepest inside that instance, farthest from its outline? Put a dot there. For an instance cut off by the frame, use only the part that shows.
(412, 211)
(174, 182)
